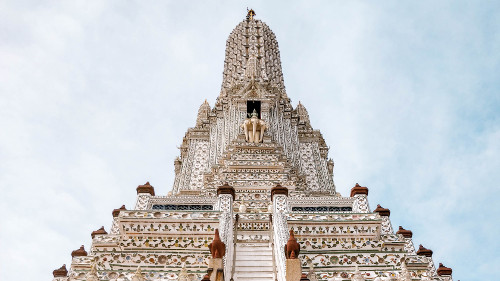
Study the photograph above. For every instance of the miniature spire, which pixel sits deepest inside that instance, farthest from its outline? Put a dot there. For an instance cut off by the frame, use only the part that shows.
(303, 114)
(203, 113)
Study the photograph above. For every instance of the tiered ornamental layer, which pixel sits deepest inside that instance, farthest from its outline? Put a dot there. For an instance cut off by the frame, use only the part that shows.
(255, 169)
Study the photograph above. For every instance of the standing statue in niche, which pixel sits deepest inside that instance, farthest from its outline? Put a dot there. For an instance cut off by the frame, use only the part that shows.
(254, 128)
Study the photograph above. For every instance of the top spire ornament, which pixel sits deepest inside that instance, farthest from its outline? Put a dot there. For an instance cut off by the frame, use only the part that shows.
(250, 14)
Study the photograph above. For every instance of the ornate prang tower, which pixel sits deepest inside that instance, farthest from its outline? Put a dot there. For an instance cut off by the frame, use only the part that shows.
(254, 169)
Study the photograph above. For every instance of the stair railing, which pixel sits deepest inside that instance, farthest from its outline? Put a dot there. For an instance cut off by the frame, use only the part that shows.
(226, 227)
(280, 234)
(271, 234)
(235, 240)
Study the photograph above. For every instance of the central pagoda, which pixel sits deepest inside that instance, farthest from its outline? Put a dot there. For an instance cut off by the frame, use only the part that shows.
(253, 197)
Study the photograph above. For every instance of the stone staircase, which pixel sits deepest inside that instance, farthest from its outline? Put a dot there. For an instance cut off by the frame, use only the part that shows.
(254, 261)
(249, 165)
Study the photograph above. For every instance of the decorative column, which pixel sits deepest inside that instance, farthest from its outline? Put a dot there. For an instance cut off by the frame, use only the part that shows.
(144, 192)
(407, 235)
(226, 196)
(422, 251)
(279, 196)
(114, 227)
(360, 193)
(386, 222)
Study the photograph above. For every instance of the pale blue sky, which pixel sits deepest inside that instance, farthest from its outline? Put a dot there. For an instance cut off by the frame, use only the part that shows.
(95, 97)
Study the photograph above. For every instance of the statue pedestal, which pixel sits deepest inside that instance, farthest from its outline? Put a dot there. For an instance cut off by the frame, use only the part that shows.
(216, 269)
(293, 270)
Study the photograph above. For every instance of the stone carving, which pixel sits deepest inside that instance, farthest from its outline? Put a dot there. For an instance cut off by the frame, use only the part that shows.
(217, 247)
(292, 248)
(92, 275)
(386, 226)
(311, 274)
(404, 275)
(251, 70)
(142, 201)
(357, 276)
(361, 204)
(254, 128)
(243, 208)
(183, 275)
(138, 276)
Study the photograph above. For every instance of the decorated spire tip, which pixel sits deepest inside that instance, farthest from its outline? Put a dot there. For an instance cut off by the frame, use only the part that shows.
(250, 14)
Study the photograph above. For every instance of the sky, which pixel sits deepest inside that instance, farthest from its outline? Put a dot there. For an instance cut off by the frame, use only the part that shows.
(95, 97)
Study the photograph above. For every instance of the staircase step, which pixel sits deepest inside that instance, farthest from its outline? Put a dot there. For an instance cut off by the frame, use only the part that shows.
(263, 266)
(254, 275)
(263, 247)
(247, 250)
(250, 263)
(255, 279)
(254, 258)
(253, 254)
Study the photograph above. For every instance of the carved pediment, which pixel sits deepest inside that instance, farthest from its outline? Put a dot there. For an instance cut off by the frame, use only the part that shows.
(252, 90)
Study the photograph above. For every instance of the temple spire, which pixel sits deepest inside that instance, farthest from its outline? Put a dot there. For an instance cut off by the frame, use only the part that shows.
(252, 56)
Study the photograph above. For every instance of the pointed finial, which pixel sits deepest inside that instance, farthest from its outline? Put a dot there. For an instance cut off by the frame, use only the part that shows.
(250, 14)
